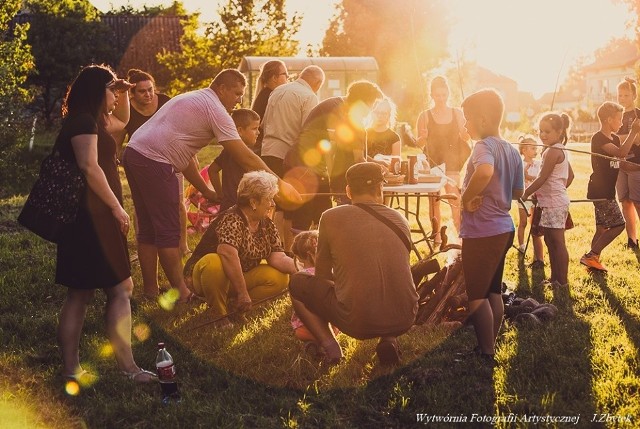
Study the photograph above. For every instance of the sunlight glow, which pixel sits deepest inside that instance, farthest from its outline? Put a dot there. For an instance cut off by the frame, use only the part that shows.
(527, 41)
(312, 157)
(106, 350)
(169, 299)
(142, 331)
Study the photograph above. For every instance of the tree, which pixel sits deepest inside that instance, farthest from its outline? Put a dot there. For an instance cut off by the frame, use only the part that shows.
(246, 28)
(407, 38)
(16, 63)
(64, 35)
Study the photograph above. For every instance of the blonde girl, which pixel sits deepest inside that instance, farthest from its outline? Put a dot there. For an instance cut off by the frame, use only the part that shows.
(529, 151)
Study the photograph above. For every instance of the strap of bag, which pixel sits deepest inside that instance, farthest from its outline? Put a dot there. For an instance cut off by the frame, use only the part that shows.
(395, 228)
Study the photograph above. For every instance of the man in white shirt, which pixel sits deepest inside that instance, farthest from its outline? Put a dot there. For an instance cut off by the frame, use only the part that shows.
(287, 109)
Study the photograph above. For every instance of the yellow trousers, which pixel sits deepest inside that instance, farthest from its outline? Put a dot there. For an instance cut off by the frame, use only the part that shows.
(210, 281)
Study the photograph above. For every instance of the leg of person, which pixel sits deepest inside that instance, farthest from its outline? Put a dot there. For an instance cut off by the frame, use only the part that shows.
(118, 324)
(481, 261)
(538, 248)
(522, 226)
(164, 201)
(210, 281)
(138, 170)
(148, 258)
(184, 244)
(629, 214)
(612, 223)
(70, 325)
(311, 297)
(623, 188)
(495, 290)
(609, 224)
(435, 214)
(551, 249)
(561, 258)
(264, 282)
(456, 205)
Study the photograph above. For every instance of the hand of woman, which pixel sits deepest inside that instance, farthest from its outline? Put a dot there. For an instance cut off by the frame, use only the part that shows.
(122, 85)
(243, 303)
(122, 218)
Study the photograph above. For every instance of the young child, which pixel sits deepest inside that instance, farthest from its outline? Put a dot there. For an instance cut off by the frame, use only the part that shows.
(628, 185)
(602, 183)
(550, 188)
(304, 251)
(494, 178)
(529, 151)
(247, 122)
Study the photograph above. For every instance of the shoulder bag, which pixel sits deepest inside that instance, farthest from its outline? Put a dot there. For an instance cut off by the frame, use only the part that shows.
(54, 200)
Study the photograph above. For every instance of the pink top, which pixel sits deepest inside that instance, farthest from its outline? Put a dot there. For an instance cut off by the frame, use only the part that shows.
(553, 192)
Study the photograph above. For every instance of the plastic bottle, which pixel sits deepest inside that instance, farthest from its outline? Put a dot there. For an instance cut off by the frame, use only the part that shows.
(413, 169)
(166, 375)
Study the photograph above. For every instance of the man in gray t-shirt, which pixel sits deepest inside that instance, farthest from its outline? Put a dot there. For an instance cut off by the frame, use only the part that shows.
(362, 281)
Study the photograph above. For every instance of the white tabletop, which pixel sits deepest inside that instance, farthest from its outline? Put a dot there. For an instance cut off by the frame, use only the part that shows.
(416, 188)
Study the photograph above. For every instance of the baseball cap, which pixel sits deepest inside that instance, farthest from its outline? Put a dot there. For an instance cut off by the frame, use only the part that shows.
(364, 174)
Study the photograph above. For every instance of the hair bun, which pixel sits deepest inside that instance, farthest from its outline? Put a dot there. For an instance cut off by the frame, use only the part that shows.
(630, 80)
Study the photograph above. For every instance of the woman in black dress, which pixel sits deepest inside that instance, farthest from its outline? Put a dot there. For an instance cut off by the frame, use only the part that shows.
(94, 255)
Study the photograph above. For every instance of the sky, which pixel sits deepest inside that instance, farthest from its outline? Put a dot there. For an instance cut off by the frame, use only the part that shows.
(530, 41)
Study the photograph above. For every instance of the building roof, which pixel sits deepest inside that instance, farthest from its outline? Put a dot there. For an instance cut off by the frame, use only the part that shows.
(623, 55)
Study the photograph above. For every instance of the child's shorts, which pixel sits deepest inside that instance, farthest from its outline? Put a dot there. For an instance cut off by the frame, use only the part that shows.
(554, 217)
(608, 214)
(628, 186)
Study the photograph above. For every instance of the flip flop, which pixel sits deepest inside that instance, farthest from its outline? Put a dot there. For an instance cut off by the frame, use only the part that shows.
(133, 376)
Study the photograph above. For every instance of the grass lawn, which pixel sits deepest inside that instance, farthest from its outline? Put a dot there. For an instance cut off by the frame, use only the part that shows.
(582, 365)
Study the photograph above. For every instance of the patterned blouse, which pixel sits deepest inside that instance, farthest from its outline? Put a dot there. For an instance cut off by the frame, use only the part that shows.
(232, 227)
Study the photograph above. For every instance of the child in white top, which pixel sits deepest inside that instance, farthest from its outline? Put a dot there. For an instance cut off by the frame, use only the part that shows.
(529, 151)
(551, 191)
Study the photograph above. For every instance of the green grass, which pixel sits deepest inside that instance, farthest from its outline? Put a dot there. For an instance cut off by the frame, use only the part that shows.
(256, 375)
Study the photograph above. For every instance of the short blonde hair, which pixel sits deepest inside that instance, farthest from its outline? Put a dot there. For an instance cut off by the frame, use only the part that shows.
(607, 110)
(256, 185)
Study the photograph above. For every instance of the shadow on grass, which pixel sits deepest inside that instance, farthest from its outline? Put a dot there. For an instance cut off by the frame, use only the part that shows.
(549, 367)
(629, 322)
(231, 380)
(529, 284)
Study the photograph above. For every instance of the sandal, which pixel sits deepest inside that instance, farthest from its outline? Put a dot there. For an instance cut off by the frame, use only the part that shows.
(192, 299)
(148, 376)
(83, 377)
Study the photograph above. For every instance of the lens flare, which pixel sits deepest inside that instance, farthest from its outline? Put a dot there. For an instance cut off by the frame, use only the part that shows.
(169, 299)
(344, 134)
(72, 388)
(324, 146)
(142, 331)
(312, 157)
(358, 113)
(106, 350)
(303, 180)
